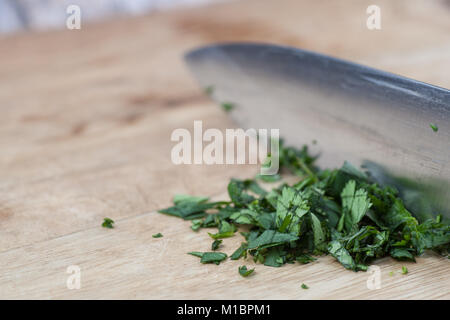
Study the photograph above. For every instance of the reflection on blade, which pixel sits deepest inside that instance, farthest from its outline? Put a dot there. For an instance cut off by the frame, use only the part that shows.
(355, 113)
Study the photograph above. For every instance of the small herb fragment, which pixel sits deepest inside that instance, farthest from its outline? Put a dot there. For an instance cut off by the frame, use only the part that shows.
(240, 252)
(404, 270)
(305, 258)
(226, 230)
(434, 127)
(158, 235)
(243, 271)
(304, 286)
(227, 106)
(215, 245)
(108, 223)
(210, 257)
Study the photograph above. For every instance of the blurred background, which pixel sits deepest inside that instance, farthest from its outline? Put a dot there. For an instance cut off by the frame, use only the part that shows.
(18, 15)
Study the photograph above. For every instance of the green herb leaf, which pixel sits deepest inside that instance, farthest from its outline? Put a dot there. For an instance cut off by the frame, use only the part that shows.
(226, 230)
(108, 223)
(227, 106)
(209, 257)
(158, 235)
(237, 192)
(355, 204)
(271, 238)
(305, 258)
(401, 254)
(190, 208)
(196, 224)
(243, 271)
(434, 127)
(337, 250)
(320, 243)
(291, 207)
(240, 252)
(215, 245)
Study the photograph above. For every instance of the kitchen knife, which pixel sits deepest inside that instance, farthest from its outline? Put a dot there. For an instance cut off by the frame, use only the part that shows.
(372, 118)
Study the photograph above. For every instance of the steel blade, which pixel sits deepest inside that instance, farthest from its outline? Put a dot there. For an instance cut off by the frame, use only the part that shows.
(355, 113)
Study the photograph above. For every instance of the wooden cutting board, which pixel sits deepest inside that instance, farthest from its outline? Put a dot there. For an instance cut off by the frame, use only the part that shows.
(86, 119)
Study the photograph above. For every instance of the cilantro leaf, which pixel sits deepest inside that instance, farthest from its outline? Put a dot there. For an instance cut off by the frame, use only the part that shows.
(240, 252)
(271, 238)
(434, 127)
(355, 204)
(275, 257)
(320, 243)
(305, 258)
(237, 192)
(108, 223)
(401, 254)
(227, 106)
(190, 208)
(291, 207)
(179, 198)
(337, 250)
(404, 270)
(226, 230)
(209, 257)
(215, 245)
(243, 271)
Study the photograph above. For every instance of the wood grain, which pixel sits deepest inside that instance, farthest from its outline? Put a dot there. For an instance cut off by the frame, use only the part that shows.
(127, 262)
(85, 125)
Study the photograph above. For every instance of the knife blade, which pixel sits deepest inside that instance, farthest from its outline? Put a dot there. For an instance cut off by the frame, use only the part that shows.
(369, 117)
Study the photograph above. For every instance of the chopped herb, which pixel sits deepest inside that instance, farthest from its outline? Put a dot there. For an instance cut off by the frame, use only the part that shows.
(341, 212)
(243, 271)
(196, 224)
(215, 245)
(210, 257)
(240, 252)
(404, 270)
(108, 223)
(158, 235)
(196, 254)
(434, 127)
(402, 254)
(189, 208)
(391, 273)
(226, 230)
(221, 235)
(304, 286)
(227, 106)
(305, 258)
